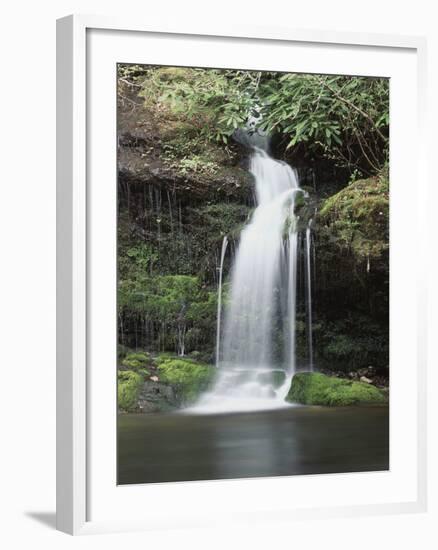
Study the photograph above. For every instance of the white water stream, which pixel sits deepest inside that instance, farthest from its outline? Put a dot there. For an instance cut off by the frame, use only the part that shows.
(219, 299)
(249, 376)
(309, 294)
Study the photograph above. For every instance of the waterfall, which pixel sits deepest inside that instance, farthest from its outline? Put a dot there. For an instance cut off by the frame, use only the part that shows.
(219, 300)
(252, 374)
(247, 338)
(309, 293)
(292, 292)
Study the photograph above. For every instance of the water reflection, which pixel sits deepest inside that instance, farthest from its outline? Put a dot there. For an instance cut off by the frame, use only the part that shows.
(251, 445)
(297, 440)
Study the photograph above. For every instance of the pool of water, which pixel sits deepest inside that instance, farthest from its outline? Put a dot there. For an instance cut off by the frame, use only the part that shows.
(295, 440)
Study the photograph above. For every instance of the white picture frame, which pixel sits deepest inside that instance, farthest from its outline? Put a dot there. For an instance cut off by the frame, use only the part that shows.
(76, 395)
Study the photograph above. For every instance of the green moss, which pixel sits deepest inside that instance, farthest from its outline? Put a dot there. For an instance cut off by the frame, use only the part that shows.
(128, 389)
(358, 217)
(189, 378)
(136, 360)
(162, 358)
(312, 388)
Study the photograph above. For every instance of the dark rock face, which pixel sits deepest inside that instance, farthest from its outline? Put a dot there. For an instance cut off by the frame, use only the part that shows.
(137, 168)
(144, 141)
(178, 196)
(157, 397)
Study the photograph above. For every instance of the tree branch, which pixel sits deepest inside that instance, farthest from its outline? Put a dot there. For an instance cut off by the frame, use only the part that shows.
(353, 106)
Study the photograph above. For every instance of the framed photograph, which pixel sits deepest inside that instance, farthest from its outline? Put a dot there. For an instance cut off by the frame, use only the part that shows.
(241, 297)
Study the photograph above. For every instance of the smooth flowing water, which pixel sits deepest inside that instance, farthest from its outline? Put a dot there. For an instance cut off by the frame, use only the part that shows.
(247, 338)
(219, 298)
(254, 308)
(295, 440)
(309, 293)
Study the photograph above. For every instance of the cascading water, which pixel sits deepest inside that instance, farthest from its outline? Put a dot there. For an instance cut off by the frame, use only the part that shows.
(309, 293)
(219, 299)
(247, 337)
(252, 375)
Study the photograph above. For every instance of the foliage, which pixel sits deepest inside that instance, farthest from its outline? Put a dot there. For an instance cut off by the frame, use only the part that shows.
(344, 119)
(216, 102)
(354, 342)
(189, 377)
(128, 388)
(136, 361)
(313, 388)
(135, 262)
(341, 118)
(173, 302)
(163, 357)
(172, 222)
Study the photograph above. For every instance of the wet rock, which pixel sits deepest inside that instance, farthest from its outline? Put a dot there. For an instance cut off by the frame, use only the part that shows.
(156, 397)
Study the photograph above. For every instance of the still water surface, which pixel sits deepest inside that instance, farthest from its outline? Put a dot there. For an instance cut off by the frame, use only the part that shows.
(294, 440)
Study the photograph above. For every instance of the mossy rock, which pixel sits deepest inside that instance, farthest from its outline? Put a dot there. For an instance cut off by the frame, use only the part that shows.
(357, 217)
(128, 389)
(137, 361)
(189, 378)
(314, 388)
(275, 378)
(157, 397)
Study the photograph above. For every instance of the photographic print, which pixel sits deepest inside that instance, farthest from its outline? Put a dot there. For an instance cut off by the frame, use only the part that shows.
(253, 274)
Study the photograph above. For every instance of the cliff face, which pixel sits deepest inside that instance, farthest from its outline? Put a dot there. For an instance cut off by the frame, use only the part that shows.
(352, 275)
(181, 193)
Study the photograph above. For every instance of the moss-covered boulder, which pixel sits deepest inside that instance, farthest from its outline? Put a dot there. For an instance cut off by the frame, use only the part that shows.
(156, 397)
(128, 389)
(357, 218)
(188, 378)
(314, 388)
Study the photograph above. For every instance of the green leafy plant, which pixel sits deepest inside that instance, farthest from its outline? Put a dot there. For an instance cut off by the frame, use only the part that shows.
(128, 388)
(345, 119)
